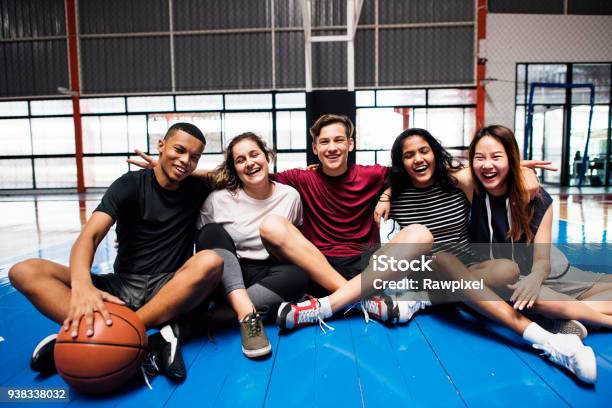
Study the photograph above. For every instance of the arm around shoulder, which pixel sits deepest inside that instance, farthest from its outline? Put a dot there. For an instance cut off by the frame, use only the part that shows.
(465, 181)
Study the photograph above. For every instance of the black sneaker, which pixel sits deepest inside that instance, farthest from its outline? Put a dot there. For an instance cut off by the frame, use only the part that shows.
(255, 343)
(42, 357)
(166, 353)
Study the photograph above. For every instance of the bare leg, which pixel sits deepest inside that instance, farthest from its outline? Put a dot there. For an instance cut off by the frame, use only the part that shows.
(420, 240)
(283, 240)
(599, 297)
(557, 305)
(497, 274)
(191, 284)
(240, 301)
(601, 303)
(485, 301)
(46, 284)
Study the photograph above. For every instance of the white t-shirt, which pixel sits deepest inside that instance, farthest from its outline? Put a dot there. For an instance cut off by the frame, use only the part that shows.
(241, 216)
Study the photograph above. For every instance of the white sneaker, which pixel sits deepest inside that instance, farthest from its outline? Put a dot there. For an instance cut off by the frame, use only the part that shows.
(292, 315)
(407, 308)
(384, 308)
(568, 351)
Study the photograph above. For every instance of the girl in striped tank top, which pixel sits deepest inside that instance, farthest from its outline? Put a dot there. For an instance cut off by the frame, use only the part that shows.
(429, 187)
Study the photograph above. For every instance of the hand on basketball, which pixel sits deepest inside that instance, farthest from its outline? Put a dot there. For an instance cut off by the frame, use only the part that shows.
(526, 291)
(84, 301)
(382, 210)
(148, 163)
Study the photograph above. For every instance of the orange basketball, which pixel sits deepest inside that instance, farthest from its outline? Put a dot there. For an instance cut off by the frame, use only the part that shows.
(106, 360)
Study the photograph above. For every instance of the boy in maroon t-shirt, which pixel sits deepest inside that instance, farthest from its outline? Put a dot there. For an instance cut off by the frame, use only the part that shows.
(338, 201)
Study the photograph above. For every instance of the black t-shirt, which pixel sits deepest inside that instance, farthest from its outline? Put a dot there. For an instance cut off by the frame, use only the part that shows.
(479, 228)
(155, 226)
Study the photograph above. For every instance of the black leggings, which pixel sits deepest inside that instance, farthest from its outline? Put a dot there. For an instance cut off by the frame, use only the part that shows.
(268, 282)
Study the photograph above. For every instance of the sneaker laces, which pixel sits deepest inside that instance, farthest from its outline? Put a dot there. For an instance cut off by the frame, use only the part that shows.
(555, 355)
(363, 308)
(312, 315)
(149, 368)
(252, 321)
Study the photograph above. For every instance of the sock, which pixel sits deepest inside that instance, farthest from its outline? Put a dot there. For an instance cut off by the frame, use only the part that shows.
(535, 334)
(325, 307)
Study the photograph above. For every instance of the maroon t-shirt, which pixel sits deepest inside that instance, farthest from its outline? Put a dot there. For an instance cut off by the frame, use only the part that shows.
(339, 211)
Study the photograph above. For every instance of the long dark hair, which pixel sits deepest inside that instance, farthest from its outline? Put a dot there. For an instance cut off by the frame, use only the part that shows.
(225, 174)
(522, 212)
(445, 163)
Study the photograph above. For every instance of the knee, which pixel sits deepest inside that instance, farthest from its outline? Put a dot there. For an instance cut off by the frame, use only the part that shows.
(416, 234)
(504, 272)
(274, 229)
(23, 273)
(208, 266)
(213, 236)
(446, 264)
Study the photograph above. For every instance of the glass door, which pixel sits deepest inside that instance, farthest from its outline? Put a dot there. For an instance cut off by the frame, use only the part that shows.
(547, 140)
(598, 145)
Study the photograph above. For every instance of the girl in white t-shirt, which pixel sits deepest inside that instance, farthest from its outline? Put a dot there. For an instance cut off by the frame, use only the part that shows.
(230, 220)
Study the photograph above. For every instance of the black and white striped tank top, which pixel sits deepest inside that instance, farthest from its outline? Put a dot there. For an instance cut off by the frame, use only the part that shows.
(445, 214)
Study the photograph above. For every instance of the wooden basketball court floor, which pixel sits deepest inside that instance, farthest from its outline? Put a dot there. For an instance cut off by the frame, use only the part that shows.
(443, 357)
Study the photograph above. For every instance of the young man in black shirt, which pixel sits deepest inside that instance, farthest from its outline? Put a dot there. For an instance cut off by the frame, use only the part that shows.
(156, 273)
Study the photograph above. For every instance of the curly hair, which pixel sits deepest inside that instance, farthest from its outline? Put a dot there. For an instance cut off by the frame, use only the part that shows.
(445, 163)
(225, 174)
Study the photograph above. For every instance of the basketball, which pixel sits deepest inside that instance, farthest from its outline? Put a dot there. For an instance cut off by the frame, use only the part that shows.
(106, 360)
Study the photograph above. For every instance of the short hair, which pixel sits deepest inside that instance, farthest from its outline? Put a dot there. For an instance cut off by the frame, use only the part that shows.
(188, 128)
(330, 119)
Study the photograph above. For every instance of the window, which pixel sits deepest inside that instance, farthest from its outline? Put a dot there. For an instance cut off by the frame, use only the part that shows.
(150, 103)
(16, 173)
(199, 102)
(51, 107)
(291, 130)
(259, 123)
(102, 105)
(248, 101)
(15, 137)
(53, 136)
(13, 108)
(55, 173)
(105, 134)
(290, 100)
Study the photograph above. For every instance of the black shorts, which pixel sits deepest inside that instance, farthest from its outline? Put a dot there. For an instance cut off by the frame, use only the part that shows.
(347, 266)
(134, 289)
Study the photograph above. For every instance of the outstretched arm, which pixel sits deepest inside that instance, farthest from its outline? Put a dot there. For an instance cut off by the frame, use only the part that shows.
(466, 181)
(149, 162)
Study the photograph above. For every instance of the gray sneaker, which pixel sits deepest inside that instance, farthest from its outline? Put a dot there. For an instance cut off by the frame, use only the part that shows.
(255, 343)
(563, 326)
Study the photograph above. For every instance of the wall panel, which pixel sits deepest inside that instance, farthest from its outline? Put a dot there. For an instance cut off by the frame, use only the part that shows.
(120, 65)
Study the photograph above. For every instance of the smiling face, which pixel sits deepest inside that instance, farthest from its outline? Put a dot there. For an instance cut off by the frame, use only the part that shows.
(332, 147)
(251, 164)
(419, 161)
(491, 165)
(179, 156)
